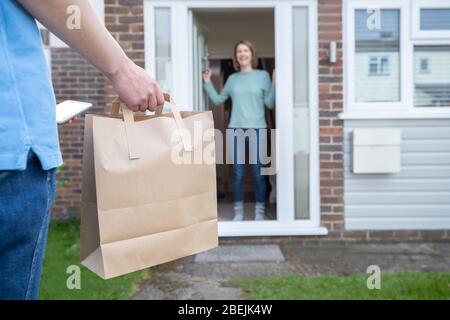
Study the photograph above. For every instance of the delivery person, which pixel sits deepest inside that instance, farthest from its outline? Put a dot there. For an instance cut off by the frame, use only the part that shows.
(29, 148)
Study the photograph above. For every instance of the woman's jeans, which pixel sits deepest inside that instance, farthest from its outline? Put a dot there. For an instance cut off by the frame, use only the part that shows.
(26, 198)
(251, 140)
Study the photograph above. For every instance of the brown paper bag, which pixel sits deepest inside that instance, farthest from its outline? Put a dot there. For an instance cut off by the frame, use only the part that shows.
(139, 207)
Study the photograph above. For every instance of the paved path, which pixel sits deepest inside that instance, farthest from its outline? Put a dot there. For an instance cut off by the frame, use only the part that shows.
(201, 276)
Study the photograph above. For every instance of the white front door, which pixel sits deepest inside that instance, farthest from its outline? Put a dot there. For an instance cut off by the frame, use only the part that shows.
(297, 118)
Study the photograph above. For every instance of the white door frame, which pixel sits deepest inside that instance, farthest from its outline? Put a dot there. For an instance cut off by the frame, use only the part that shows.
(286, 224)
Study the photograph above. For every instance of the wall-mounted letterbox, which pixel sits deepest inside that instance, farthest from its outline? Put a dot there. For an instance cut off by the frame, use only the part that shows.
(376, 150)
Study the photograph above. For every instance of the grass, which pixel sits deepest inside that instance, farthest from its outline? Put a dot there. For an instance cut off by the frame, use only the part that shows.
(63, 250)
(394, 286)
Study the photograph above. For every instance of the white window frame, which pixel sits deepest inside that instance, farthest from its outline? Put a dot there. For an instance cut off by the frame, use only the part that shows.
(416, 6)
(349, 66)
(404, 109)
(437, 111)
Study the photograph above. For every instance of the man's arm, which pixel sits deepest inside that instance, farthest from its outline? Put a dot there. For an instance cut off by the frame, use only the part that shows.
(136, 88)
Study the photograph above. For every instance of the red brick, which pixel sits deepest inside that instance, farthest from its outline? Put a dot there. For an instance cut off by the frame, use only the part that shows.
(355, 235)
(331, 131)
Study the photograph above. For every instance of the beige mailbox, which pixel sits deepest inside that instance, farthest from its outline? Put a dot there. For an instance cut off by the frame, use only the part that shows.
(376, 150)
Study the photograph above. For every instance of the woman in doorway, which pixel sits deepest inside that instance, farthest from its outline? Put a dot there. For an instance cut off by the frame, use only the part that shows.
(250, 90)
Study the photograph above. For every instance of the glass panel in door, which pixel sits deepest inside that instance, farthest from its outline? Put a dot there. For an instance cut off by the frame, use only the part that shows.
(200, 56)
(301, 116)
(163, 58)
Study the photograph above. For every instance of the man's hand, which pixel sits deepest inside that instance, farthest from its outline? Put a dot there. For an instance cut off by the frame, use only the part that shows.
(136, 88)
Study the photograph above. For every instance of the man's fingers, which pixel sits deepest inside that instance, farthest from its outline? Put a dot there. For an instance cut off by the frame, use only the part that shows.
(144, 105)
(152, 103)
(159, 97)
(133, 106)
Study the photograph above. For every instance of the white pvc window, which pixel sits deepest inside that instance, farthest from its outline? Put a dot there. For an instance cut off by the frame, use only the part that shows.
(435, 19)
(431, 76)
(375, 46)
(431, 53)
(430, 19)
(397, 56)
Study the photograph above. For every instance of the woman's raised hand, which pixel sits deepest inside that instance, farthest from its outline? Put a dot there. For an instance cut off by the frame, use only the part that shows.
(207, 75)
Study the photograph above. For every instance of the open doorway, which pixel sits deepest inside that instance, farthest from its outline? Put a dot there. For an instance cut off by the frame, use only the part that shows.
(214, 34)
(182, 35)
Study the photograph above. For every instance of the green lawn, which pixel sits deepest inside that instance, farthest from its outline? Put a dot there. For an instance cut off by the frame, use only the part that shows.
(63, 250)
(396, 286)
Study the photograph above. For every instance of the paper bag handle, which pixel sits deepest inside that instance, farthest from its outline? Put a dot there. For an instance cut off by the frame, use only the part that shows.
(167, 98)
(130, 127)
(116, 105)
(187, 144)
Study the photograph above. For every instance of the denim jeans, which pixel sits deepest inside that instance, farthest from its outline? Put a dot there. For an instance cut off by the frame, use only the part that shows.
(251, 142)
(26, 198)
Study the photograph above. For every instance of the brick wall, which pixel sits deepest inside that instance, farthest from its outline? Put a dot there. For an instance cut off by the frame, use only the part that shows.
(331, 128)
(76, 79)
(125, 20)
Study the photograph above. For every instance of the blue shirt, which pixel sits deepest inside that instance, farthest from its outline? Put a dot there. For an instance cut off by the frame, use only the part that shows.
(27, 101)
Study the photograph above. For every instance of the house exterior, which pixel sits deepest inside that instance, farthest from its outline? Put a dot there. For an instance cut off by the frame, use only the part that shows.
(354, 81)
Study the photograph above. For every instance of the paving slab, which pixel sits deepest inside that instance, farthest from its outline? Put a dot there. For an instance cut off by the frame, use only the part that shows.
(241, 253)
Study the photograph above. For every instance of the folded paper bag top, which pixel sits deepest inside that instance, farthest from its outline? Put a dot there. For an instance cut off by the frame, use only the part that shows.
(139, 207)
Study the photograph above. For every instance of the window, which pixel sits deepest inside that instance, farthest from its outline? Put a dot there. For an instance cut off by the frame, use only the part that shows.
(379, 66)
(430, 19)
(373, 66)
(398, 55)
(430, 41)
(435, 19)
(423, 65)
(432, 88)
(384, 66)
(375, 46)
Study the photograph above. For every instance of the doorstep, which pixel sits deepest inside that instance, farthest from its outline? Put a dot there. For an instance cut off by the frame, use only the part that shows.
(267, 228)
